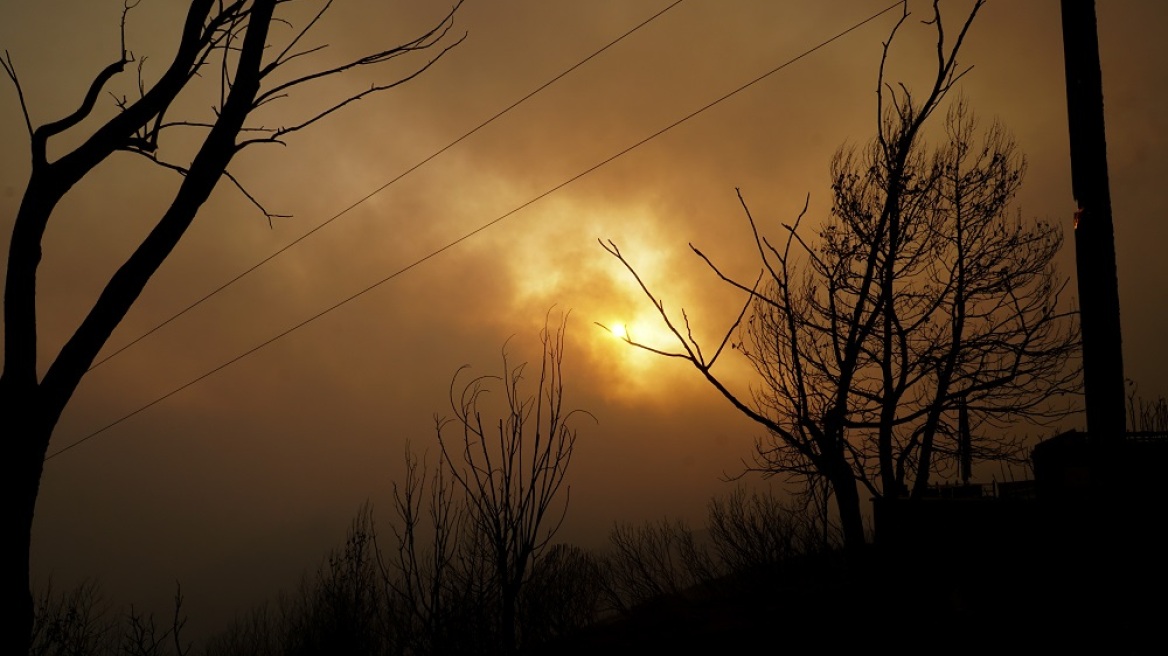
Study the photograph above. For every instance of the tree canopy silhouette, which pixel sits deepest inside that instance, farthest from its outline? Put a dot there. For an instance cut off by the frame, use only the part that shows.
(924, 318)
(228, 42)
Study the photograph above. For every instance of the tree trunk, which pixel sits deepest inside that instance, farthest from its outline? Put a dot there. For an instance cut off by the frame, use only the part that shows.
(847, 499)
(508, 621)
(22, 467)
(38, 405)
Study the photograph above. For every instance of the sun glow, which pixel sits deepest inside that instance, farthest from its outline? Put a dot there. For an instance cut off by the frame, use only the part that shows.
(636, 332)
(626, 336)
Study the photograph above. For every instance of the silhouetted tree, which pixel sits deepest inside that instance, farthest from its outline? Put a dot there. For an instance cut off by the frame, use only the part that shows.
(1144, 415)
(757, 533)
(653, 560)
(348, 609)
(80, 622)
(921, 318)
(227, 41)
(423, 575)
(511, 471)
(562, 595)
(468, 572)
(72, 622)
(340, 608)
(747, 541)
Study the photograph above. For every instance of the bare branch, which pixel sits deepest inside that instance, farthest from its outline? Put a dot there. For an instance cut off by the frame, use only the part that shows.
(42, 134)
(355, 97)
(10, 69)
(238, 185)
(424, 42)
(283, 57)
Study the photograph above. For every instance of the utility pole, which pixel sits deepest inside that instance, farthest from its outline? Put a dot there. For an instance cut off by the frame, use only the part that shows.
(1103, 379)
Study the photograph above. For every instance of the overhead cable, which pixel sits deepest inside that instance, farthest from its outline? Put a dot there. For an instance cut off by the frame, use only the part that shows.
(474, 232)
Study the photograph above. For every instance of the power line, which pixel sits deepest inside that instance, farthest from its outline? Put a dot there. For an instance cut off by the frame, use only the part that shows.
(477, 230)
(383, 187)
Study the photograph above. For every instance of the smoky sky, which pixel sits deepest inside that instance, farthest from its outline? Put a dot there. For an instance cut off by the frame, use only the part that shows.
(237, 483)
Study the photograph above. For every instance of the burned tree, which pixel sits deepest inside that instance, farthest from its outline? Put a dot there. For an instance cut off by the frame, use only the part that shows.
(964, 332)
(511, 471)
(922, 306)
(229, 42)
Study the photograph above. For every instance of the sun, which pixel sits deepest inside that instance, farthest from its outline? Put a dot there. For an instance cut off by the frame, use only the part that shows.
(618, 330)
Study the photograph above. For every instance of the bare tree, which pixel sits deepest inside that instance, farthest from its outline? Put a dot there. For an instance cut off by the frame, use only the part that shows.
(422, 575)
(72, 622)
(967, 334)
(80, 621)
(654, 560)
(143, 637)
(512, 470)
(467, 571)
(755, 534)
(922, 318)
(1145, 416)
(562, 595)
(227, 41)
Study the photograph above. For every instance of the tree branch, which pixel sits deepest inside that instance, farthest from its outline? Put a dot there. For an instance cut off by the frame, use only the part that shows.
(10, 69)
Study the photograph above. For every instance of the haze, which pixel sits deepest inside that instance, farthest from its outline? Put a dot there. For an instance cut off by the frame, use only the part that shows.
(238, 483)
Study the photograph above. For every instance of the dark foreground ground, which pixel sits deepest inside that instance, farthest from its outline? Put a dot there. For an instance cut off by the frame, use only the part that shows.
(1091, 595)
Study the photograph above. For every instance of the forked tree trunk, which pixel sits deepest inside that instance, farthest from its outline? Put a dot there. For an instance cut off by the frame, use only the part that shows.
(31, 403)
(31, 407)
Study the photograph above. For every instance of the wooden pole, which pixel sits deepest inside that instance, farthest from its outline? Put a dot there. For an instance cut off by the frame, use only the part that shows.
(1094, 232)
